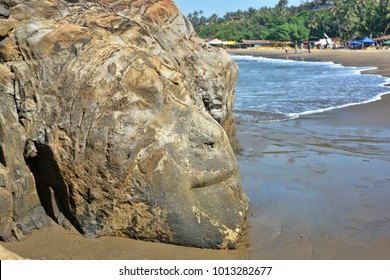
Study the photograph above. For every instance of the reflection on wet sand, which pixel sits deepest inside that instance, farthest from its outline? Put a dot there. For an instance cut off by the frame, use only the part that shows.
(319, 187)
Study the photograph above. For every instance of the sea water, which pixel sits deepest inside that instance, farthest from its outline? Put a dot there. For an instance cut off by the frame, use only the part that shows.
(281, 89)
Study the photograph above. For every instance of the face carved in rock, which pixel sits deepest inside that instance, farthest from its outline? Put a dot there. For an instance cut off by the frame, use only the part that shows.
(191, 172)
(136, 154)
(186, 167)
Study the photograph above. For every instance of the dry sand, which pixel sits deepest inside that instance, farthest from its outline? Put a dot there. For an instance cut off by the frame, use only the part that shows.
(319, 187)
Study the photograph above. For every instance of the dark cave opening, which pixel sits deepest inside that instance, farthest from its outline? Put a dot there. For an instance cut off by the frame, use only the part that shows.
(2, 157)
(52, 190)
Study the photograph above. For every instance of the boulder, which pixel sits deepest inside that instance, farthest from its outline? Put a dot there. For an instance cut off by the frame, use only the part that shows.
(117, 120)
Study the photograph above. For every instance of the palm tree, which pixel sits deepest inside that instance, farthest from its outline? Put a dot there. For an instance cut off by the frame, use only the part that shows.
(344, 14)
(252, 12)
(386, 6)
(338, 12)
(325, 21)
(213, 19)
(229, 16)
(239, 15)
(282, 3)
(281, 6)
(311, 22)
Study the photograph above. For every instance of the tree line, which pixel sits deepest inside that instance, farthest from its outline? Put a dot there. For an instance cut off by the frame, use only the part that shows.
(344, 19)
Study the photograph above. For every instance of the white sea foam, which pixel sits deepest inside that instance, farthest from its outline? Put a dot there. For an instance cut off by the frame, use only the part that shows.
(287, 89)
(311, 112)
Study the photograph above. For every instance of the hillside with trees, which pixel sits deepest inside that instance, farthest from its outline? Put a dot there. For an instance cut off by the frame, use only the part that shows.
(344, 19)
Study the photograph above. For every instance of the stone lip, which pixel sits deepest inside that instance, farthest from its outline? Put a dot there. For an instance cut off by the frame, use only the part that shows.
(117, 119)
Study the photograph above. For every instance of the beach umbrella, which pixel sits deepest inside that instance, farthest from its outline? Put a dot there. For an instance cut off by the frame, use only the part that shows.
(386, 42)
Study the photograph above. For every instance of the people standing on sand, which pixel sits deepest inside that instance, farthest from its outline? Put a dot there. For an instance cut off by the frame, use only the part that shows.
(308, 47)
(286, 49)
(301, 50)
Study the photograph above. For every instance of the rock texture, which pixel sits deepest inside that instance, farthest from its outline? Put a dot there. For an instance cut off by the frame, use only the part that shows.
(116, 119)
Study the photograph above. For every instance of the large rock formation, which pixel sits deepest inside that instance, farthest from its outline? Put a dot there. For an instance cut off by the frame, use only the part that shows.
(116, 119)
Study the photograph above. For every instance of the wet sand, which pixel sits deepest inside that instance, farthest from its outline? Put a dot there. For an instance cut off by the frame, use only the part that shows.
(319, 188)
(320, 185)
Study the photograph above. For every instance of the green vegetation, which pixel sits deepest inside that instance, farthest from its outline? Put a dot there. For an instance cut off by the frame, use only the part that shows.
(345, 19)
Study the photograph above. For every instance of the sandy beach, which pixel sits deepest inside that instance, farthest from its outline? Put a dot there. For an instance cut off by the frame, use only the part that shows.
(319, 187)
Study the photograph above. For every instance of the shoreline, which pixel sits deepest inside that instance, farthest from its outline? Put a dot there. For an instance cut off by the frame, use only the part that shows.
(353, 58)
(377, 59)
(319, 183)
(318, 187)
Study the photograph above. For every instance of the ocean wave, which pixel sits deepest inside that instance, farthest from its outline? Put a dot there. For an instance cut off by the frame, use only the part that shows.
(317, 111)
(278, 90)
(279, 60)
(259, 116)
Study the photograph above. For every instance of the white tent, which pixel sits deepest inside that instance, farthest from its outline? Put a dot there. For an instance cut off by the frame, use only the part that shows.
(325, 43)
(216, 42)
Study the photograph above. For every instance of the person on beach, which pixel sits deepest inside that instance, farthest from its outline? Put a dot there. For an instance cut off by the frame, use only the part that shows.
(308, 47)
(301, 50)
(286, 49)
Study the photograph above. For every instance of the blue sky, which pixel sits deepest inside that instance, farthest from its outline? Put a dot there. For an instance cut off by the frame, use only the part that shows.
(220, 7)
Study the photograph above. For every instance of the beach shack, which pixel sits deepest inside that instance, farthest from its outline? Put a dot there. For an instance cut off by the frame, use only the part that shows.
(383, 41)
(256, 43)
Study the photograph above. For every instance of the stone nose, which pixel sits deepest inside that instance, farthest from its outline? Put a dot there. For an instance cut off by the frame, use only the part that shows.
(216, 158)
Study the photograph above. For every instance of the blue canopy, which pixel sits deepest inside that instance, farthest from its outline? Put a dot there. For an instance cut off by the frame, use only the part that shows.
(367, 40)
(355, 43)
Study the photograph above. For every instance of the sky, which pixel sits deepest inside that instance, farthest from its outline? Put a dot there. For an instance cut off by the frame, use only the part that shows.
(221, 7)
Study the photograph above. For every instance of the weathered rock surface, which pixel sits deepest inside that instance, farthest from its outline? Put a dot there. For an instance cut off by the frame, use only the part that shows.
(116, 119)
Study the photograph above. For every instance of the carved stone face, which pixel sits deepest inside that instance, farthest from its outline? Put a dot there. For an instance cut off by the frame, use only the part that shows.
(190, 173)
(175, 159)
(122, 133)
